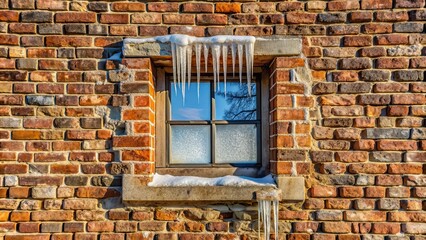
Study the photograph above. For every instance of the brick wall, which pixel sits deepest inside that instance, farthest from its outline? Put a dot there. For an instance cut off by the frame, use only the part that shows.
(72, 122)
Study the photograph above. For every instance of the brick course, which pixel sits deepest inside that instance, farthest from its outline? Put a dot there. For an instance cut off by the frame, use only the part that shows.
(72, 121)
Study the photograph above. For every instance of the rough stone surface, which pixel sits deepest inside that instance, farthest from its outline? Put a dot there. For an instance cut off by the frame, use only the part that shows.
(263, 46)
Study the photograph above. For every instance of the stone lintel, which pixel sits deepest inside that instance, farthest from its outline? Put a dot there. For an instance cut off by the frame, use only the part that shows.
(264, 46)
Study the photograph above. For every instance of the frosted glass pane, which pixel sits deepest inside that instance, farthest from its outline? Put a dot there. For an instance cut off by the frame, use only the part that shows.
(237, 104)
(192, 108)
(190, 145)
(236, 143)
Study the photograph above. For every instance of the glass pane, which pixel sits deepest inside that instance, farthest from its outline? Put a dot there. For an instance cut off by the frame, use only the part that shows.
(190, 144)
(237, 104)
(236, 143)
(192, 107)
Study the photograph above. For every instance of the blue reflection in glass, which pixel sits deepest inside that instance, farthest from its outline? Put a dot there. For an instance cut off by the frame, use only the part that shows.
(236, 104)
(194, 107)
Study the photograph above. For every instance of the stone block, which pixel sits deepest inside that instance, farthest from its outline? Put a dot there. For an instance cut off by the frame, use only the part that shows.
(292, 188)
(43, 192)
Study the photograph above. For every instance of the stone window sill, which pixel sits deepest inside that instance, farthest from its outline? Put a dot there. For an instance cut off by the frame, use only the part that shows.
(136, 193)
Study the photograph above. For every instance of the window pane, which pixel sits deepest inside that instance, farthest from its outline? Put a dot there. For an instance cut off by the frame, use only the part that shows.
(237, 104)
(193, 108)
(190, 144)
(236, 143)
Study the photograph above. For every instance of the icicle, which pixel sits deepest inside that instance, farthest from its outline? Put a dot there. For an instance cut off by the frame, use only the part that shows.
(206, 55)
(240, 61)
(259, 217)
(275, 206)
(183, 63)
(265, 219)
(225, 63)
(189, 59)
(264, 216)
(178, 63)
(182, 48)
(216, 65)
(233, 52)
(174, 65)
(197, 62)
(248, 66)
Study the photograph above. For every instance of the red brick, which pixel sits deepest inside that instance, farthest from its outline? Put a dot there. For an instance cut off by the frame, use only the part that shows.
(386, 228)
(29, 228)
(96, 192)
(395, 16)
(28, 237)
(68, 41)
(163, 7)
(146, 18)
(180, 19)
(300, 18)
(75, 17)
(101, 226)
(166, 215)
(405, 168)
(94, 100)
(124, 30)
(392, 63)
(19, 192)
(52, 215)
(343, 5)
(357, 17)
(336, 227)
(114, 18)
(128, 7)
(394, 145)
(323, 191)
(22, 28)
(375, 192)
(212, 19)
(392, 39)
(20, 216)
(83, 156)
(409, 3)
(357, 41)
(41, 53)
(228, 7)
(9, 16)
(368, 216)
(64, 169)
(197, 7)
(38, 123)
(388, 180)
(351, 192)
(376, 4)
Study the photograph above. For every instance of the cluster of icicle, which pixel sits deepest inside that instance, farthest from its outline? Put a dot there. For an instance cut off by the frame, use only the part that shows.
(183, 46)
(264, 217)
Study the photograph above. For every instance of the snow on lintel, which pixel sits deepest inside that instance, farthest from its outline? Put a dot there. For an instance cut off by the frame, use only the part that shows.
(264, 46)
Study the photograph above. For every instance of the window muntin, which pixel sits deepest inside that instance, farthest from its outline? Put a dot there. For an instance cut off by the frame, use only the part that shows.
(233, 121)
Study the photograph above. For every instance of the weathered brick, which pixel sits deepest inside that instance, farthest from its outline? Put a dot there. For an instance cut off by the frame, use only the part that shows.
(75, 17)
(37, 16)
(300, 18)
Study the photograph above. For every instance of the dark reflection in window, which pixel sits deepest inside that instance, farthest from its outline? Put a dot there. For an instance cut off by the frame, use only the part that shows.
(237, 104)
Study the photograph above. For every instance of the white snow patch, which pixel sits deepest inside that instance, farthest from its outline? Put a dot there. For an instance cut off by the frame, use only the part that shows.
(191, 181)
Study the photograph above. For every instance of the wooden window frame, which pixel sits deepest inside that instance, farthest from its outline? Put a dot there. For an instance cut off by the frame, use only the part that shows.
(161, 139)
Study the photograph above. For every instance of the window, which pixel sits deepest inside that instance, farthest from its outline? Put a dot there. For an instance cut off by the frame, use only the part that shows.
(213, 127)
(207, 129)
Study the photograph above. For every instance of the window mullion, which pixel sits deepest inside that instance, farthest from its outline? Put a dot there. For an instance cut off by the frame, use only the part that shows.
(213, 125)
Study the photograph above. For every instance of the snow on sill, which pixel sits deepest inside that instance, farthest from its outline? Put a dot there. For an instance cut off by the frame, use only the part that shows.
(191, 181)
